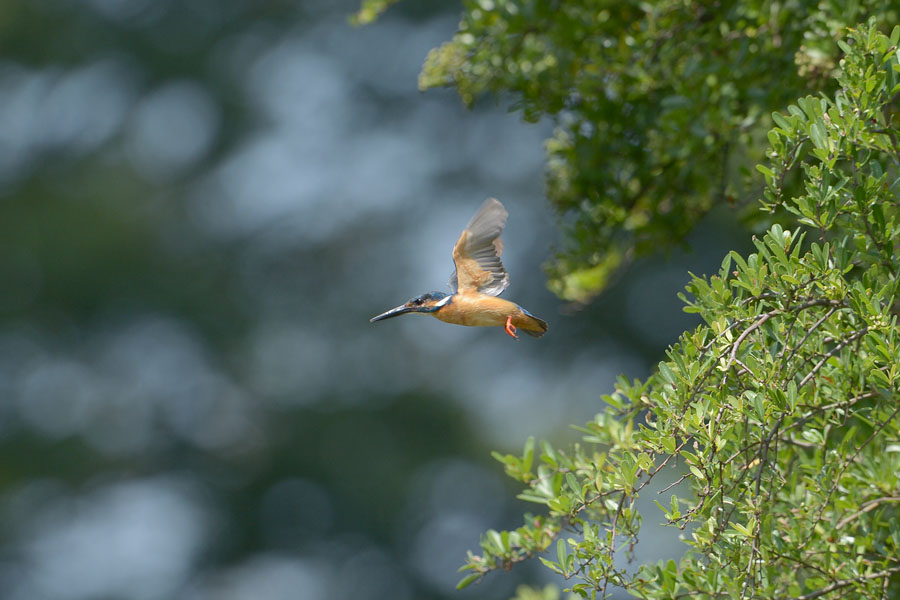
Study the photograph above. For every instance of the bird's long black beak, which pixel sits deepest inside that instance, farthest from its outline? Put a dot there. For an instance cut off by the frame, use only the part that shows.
(394, 312)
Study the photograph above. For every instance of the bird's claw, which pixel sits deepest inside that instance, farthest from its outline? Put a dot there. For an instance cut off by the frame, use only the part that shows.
(510, 329)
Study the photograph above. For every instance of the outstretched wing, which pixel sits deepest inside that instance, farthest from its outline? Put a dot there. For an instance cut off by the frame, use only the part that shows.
(477, 252)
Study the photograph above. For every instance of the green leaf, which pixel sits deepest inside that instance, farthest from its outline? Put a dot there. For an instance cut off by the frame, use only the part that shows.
(528, 454)
(555, 567)
(781, 122)
(666, 372)
(766, 171)
(468, 580)
(562, 553)
(817, 135)
(494, 540)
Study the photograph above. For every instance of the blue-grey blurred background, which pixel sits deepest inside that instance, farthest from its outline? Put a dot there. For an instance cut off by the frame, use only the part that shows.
(201, 205)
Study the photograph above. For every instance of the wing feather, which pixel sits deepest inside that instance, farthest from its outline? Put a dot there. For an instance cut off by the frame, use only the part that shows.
(477, 252)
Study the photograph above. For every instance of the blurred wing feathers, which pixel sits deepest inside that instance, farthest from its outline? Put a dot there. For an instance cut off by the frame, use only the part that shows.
(477, 252)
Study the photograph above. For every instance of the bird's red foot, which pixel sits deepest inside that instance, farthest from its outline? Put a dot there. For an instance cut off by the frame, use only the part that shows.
(510, 329)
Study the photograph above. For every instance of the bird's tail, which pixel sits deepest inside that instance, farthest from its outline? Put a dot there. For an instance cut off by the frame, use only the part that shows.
(536, 327)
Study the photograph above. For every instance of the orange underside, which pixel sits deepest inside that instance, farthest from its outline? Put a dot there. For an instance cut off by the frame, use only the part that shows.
(481, 310)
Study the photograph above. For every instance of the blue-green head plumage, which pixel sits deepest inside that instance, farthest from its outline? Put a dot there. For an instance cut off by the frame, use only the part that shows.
(429, 302)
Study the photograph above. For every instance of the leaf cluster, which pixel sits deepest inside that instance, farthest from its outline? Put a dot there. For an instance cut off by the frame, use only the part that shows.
(661, 108)
(781, 412)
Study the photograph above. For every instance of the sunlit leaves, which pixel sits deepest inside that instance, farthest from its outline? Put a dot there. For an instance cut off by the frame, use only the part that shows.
(370, 10)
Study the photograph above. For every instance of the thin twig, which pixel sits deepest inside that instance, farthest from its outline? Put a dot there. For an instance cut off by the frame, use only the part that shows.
(756, 324)
(864, 508)
(845, 582)
(835, 350)
(612, 543)
(803, 341)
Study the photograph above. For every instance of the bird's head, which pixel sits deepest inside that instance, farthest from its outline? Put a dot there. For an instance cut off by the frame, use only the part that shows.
(426, 303)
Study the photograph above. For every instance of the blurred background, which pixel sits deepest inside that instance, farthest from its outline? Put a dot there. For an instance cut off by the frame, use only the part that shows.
(201, 205)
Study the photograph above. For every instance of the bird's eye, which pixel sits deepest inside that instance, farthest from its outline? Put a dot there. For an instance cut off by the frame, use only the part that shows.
(417, 301)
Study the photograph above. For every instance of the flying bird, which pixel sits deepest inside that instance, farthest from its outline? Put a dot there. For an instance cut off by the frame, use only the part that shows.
(476, 282)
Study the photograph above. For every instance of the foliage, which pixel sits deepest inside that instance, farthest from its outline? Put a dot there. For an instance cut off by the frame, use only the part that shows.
(780, 412)
(370, 10)
(660, 107)
(549, 592)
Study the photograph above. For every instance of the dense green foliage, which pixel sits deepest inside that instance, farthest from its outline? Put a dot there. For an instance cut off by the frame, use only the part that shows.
(661, 108)
(780, 411)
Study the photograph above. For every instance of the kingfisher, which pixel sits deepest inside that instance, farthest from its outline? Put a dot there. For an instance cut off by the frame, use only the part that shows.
(477, 280)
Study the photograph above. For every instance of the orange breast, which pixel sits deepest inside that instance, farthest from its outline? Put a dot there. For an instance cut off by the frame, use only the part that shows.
(478, 310)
